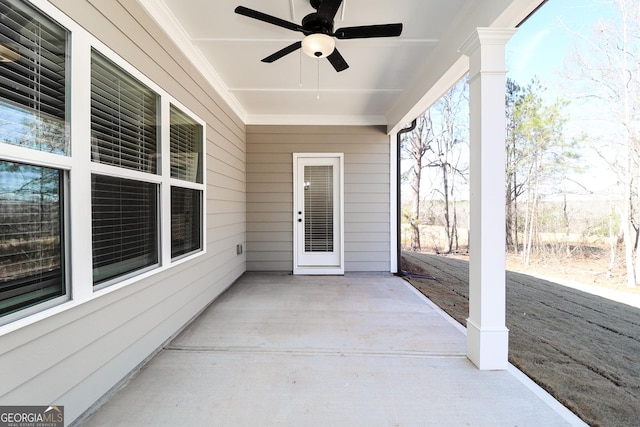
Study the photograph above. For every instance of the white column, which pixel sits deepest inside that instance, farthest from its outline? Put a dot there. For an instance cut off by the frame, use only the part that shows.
(487, 334)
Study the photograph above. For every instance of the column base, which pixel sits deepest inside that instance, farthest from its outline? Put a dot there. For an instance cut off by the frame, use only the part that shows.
(488, 349)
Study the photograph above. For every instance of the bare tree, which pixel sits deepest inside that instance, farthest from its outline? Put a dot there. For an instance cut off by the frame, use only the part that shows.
(606, 68)
(416, 144)
(444, 154)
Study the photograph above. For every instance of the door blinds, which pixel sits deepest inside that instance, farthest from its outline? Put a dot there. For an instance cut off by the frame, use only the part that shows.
(318, 208)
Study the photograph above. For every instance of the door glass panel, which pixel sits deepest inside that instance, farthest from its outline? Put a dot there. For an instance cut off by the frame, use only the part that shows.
(318, 208)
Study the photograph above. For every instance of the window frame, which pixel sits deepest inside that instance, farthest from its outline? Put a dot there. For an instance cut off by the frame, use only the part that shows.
(77, 169)
(198, 184)
(61, 162)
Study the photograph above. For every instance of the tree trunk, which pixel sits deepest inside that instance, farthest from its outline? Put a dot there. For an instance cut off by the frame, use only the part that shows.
(613, 241)
(447, 221)
(414, 220)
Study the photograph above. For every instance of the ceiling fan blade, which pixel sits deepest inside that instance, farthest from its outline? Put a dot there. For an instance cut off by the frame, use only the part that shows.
(368, 31)
(279, 54)
(245, 11)
(328, 9)
(337, 61)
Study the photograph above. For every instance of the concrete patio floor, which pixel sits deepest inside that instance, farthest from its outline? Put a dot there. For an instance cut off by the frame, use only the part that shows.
(357, 350)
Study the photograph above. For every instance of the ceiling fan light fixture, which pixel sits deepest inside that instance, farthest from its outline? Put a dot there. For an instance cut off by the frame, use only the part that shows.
(318, 45)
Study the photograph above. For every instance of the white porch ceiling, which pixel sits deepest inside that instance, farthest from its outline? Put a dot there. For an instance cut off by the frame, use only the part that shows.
(390, 80)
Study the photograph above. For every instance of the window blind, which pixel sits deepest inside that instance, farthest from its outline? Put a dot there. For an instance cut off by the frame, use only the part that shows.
(186, 147)
(124, 226)
(186, 223)
(33, 79)
(318, 208)
(31, 251)
(124, 122)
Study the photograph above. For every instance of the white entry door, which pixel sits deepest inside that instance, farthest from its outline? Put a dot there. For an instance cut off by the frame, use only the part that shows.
(318, 214)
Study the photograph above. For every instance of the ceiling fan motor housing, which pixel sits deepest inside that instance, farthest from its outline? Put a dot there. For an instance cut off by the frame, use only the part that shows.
(313, 23)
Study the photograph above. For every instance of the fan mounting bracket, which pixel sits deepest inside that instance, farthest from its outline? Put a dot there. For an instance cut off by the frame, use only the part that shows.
(312, 23)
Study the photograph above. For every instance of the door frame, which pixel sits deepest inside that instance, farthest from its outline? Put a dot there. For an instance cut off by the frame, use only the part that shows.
(298, 206)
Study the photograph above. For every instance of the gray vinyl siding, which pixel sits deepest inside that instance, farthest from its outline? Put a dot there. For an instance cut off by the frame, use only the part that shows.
(74, 357)
(270, 193)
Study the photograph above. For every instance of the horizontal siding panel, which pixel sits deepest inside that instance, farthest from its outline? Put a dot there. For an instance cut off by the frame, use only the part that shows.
(285, 266)
(223, 206)
(363, 169)
(370, 178)
(226, 194)
(270, 207)
(270, 158)
(367, 159)
(286, 168)
(222, 157)
(258, 187)
(358, 197)
(319, 146)
(275, 177)
(366, 247)
(366, 218)
(269, 246)
(367, 237)
(266, 236)
(270, 198)
(367, 208)
(258, 217)
(221, 181)
(367, 256)
(226, 169)
(360, 227)
(367, 266)
(270, 256)
(365, 188)
(274, 226)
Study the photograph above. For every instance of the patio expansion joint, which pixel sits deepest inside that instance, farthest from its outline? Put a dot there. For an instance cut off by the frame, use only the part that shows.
(316, 352)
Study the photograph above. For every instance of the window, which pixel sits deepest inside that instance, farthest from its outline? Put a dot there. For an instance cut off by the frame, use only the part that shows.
(33, 115)
(137, 204)
(31, 254)
(124, 226)
(124, 118)
(186, 221)
(186, 147)
(32, 79)
(186, 165)
(124, 133)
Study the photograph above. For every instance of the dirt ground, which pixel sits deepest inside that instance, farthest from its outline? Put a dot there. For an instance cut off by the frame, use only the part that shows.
(581, 348)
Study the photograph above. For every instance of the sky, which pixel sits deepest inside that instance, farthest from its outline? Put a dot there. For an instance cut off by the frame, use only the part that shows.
(541, 48)
(543, 42)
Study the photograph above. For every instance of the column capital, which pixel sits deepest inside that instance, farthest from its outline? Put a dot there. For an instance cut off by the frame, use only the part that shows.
(485, 36)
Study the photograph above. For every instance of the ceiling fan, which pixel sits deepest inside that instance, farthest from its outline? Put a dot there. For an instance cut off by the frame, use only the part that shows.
(318, 30)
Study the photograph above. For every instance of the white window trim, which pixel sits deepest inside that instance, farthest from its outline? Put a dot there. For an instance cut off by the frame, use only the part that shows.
(79, 168)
